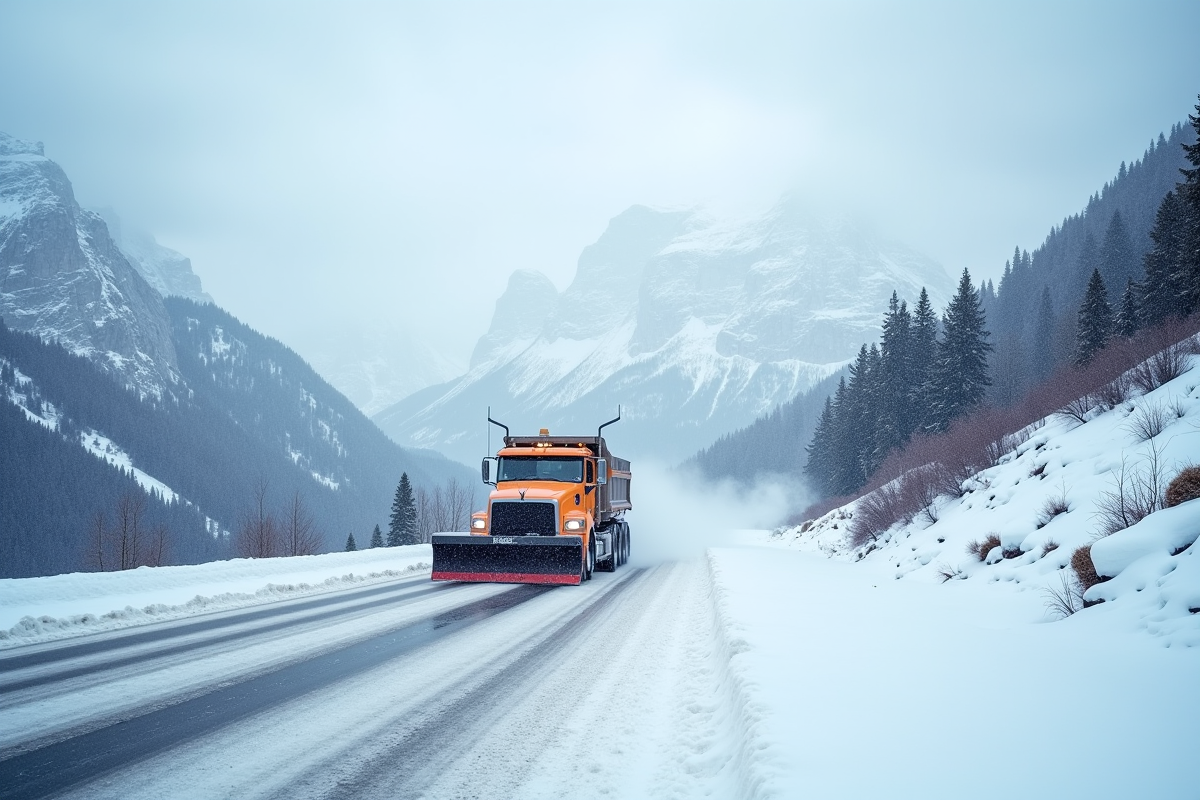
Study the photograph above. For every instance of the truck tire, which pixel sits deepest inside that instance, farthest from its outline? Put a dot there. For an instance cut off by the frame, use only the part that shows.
(625, 538)
(589, 561)
(610, 564)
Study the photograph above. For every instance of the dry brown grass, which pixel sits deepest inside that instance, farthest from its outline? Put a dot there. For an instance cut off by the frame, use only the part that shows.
(1055, 505)
(1185, 486)
(980, 548)
(1084, 569)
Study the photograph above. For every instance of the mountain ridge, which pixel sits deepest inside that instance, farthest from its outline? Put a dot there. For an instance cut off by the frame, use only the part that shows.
(693, 325)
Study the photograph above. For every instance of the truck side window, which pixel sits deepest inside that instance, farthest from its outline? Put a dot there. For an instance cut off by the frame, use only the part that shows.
(591, 475)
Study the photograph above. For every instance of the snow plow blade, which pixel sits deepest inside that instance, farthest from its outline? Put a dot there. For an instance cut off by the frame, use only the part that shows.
(508, 559)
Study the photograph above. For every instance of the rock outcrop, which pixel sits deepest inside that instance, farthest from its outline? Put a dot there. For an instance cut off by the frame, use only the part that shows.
(63, 278)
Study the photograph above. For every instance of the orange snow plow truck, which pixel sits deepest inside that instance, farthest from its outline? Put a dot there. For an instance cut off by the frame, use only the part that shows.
(555, 515)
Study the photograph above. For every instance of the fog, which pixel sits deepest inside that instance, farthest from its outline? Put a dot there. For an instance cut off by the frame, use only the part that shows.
(324, 164)
(678, 514)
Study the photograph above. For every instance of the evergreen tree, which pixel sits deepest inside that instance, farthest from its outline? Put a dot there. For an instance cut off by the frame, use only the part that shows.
(1089, 260)
(1188, 269)
(1043, 338)
(1161, 291)
(960, 375)
(854, 429)
(1095, 321)
(820, 450)
(873, 412)
(845, 468)
(1127, 322)
(923, 355)
(895, 377)
(1118, 264)
(377, 537)
(351, 545)
(402, 527)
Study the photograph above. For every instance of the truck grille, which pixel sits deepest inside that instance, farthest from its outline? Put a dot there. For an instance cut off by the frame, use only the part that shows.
(522, 518)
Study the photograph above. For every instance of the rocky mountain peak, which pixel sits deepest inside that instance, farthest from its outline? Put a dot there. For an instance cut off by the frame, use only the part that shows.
(63, 278)
(168, 271)
(519, 318)
(12, 146)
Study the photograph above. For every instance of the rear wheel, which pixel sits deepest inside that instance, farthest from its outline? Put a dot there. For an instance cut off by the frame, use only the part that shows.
(610, 564)
(625, 542)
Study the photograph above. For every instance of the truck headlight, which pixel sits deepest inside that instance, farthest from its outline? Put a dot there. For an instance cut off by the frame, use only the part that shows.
(478, 524)
(574, 525)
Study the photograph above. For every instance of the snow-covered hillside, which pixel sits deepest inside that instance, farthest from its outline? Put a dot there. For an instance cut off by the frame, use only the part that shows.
(1052, 495)
(694, 326)
(63, 278)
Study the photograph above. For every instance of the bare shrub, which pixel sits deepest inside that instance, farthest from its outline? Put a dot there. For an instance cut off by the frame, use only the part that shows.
(1065, 599)
(157, 551)
(1148, 421)
(1138, 491)
(1078, 408)
(258, 533)
(444, 508)
(874, 514)
(1055, 504)
(1117, 391)
(1162, 367)
(1048, 547)
(127, 543)
(1084, 569)
(1177, 407)
(980, 548)
(948, 573)
(299, 533)
(1012, 552)
(919, 487)
(1185, 486)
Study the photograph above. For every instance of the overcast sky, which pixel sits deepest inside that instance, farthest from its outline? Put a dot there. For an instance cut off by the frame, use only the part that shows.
(324, 163)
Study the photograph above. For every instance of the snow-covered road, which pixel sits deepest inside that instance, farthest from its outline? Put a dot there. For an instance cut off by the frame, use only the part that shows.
(749, 672)
(404, 689)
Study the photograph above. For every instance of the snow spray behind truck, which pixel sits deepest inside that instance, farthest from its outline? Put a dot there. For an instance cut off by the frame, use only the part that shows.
(555, 514)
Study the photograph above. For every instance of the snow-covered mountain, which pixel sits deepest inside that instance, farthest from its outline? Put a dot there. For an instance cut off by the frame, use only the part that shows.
(63, 278)
(694, 326)
(167, 270)
(377, 364)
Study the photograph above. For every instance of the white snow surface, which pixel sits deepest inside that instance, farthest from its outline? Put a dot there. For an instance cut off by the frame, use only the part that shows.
(58, 606)
(852, 684)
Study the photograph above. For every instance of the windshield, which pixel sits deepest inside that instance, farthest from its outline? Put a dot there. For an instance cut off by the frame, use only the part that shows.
(532, 468)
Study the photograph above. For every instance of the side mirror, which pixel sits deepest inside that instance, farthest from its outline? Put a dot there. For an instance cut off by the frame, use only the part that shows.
(487, 471)
(601, 471)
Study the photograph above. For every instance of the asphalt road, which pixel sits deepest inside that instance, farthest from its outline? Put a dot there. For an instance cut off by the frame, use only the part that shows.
(395, 690)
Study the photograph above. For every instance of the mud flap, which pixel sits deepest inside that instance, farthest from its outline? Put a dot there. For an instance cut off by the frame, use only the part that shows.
(508, 559)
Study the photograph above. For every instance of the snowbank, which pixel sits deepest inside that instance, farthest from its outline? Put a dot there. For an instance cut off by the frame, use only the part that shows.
(1067, 464)
(854, 684)
(39, 609)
